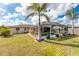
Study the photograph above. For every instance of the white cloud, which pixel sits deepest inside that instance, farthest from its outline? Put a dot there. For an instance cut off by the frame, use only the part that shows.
(63, 7)
(22, 9)
(74, 5)
(56, 10)
(35, 20)
(14, 15)
(10, 15)
(53, 14)
(59, 9)
(2, 11)
(53, 6)
(25, 4)
(5, 22)
(66, 20)
(68, 6)
(6, 3)
(19, 9)
(19, 22)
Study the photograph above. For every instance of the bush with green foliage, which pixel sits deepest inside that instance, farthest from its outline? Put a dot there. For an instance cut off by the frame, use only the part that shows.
(5, 31)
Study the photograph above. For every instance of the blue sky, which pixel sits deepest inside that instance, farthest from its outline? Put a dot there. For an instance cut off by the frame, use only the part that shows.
(10, 14)
(14, 13)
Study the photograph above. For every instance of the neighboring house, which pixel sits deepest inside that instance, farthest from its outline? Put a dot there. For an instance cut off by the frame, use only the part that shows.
(22, 28)
(76, 29)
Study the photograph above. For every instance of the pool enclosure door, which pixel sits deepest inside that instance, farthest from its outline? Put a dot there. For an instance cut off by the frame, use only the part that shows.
(46, 29)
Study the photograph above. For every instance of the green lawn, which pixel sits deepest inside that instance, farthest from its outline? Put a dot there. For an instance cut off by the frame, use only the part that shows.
(23, 44)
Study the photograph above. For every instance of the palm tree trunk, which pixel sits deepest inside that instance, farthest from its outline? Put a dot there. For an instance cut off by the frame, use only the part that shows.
(39, 29)
(50, 30)
(73, 26)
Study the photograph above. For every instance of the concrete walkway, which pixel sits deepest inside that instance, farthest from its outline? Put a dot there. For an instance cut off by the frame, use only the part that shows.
(32, 36)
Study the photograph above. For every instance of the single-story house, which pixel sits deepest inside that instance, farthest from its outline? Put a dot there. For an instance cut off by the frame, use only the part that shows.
(45, 27)
(76, 29)
(22, 28)
(53, 27)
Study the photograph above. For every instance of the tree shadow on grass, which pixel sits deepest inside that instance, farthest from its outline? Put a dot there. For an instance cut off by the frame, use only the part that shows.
(70, 45)
(75, 42)
(65, 38)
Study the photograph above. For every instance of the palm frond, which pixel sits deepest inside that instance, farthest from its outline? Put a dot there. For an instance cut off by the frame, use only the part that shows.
(37, 6)
(47, 18)
(30, 8)
(29, 15)
(34, 6)
(43, 6)
(70, 12)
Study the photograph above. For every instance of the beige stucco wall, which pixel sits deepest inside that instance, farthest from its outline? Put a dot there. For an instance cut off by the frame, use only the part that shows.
(76, 31)
(14, 31)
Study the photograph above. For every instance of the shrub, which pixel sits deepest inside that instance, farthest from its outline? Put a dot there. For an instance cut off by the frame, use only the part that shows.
(5, 31)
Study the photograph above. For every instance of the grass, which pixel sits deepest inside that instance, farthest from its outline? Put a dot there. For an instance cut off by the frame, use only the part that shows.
(65, 38)
(25, 45)
(69, 44)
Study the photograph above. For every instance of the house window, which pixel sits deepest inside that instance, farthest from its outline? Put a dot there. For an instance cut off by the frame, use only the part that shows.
(24, 28)
(17, 28)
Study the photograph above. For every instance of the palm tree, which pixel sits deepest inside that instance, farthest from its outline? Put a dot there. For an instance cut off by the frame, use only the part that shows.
(72, 15)
(39, 10)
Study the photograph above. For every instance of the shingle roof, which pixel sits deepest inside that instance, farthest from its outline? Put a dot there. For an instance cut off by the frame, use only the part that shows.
(23, 26)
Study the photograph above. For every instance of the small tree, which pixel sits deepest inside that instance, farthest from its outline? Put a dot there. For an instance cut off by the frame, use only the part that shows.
(4, 31)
